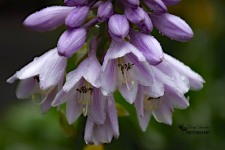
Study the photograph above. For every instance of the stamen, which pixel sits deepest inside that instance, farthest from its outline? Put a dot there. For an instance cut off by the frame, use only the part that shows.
(85, 97)
(124, 71)
(152, 103)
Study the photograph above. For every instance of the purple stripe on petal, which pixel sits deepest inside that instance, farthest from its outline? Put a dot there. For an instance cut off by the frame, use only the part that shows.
(157, 6)
(105, 10)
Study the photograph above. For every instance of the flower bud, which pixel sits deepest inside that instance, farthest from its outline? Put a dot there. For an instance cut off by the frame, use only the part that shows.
(118, 27)
(173, 27)
(105, 10)
(71, 41)
(147, 25)
(77, 16)
(135, 16)
(157, 6)
(48, 18)
(148, 45)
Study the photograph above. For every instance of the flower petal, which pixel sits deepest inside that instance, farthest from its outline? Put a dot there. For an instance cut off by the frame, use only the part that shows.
(96, 109)
(109, 78)
(112, 112)
(129, 94)
(26, 88)
(119, 49)
(52, 71)
(46, 102)
(196, 81)
(144, 120)
(164, 113)
(73, 109)
(48, 18)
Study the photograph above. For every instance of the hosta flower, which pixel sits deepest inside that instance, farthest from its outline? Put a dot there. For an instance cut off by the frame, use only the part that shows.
(148, 104)
(97, 134)
(123, 68)
(81, 91)
(44, 75)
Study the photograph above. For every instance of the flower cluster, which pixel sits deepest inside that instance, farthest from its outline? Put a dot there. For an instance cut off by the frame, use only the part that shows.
(121, 55)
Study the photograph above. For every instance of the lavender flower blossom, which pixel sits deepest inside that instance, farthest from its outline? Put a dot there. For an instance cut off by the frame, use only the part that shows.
(105, 10)
(81, 91)
(157, 6)
(124, 67)
(43, 74)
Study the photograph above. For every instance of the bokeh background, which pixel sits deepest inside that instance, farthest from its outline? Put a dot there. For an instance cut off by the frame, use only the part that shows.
(24, 127)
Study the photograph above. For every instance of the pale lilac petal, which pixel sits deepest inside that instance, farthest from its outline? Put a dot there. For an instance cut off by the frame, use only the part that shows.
(48, 18)
(135, 16)
(73, 77)
(46, 102)
(144, 120)
(148, 45)
(139, 105)
(34, 68)
(71, 41)
(196, 81)
(26, 88)
(129, 94)
(155, 90)
(92, 69)
(141, 72)
(112, 112)
(73, 109)
(52, 71)
(175, 98)
(109, 78)
(146, 26)
(164, 113)
(12, 79)
(181, 81)
(119, 49)
(96, 109)
(88, 133)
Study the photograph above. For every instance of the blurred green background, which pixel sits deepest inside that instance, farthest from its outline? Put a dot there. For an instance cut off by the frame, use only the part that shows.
(23, 127)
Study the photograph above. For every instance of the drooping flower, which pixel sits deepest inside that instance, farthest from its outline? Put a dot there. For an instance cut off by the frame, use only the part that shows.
(81, 91)
(103, 133)
(44, 75)
(124, 67)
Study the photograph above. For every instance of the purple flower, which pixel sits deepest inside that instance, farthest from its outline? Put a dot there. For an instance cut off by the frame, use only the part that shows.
(172, 26)
(43, 75)
(124, 67)
(71, 41)
(81, 91)
(118, 27)
(103, 133)
(151, 103)
(148, 45)
(48, 18)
